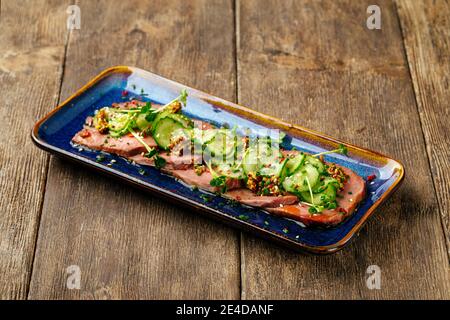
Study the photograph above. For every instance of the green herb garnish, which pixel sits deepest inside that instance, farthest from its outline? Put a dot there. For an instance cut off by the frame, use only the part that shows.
(159, 162)
(341, 149)
(205, 198)
(217, 180)
(100, 158)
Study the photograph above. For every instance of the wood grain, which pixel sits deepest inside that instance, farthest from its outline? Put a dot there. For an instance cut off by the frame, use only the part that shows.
(129, 244)
(32, 42)
(316, 64)
(426, 31)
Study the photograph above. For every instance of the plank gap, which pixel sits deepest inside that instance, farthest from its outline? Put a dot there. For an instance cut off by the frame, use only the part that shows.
(47, 167)
(422, 129)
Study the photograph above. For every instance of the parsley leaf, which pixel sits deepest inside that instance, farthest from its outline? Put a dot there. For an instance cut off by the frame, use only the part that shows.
(159, 162)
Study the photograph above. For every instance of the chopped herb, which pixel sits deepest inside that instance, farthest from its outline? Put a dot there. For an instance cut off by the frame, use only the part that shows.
(217, 180)
(151, 153)
(243, 217)
(285, 230)
(350, 192)
(159, 162)
(220, 182)
(100, 158)
(150, 116)
(205, 198)
(312, 210)
(146, 108)
(142, 172)
(331, 205)
(266, 222)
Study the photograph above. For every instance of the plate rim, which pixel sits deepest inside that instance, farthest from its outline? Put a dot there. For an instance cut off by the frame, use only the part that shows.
(204, 209)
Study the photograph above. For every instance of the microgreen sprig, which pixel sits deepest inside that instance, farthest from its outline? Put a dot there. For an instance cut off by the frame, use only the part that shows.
(150, 151)
(313, 207)
(341, 149)
(182, 98)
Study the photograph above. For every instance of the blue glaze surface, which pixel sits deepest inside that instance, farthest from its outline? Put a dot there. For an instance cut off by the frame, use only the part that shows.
(58, 129)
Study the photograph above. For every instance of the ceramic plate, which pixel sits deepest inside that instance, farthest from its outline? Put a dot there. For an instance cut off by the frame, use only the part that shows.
(54, 132)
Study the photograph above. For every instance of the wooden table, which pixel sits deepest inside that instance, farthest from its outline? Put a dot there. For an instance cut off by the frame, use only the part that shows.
(314, 63)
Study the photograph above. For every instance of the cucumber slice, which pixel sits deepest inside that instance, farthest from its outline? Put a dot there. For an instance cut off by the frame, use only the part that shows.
(297, 182)
(250, 161)
(162, 132)
(185, 121)
(229, 171)
(320, 187)
(293, 164)
(161, 115)
(262, 157)
(274, 170)
(316, 163)
(142, 123)
(328, 195)
(222, 146)
(202, 137)
(118, 122)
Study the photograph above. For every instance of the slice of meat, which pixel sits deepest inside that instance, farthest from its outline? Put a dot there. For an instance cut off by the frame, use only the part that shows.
(173, 162)
(125, 146)
(348, 199)
(202, 181)
(247, 197)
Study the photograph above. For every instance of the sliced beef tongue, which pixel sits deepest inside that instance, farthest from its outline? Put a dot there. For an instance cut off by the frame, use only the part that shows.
(348, 199)
(173, 162)
(249, 198)
(202, 181)
(125, 146)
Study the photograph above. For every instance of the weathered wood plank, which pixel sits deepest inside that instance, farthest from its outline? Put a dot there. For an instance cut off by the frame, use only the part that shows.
(316, 64)
(30, 69)
(426, 32)
(129, 244)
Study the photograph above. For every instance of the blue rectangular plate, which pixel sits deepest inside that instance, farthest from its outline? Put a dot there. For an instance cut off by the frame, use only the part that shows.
(53, 133)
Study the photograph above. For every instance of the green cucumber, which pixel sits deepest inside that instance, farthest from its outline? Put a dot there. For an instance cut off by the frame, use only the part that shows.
(275, 169)
(320, 187)
(250, 161)
(326, 196)
(229, 171)
(118, 122)
(202, 137)
(316, 163)
(298, 181)
(162, 132)
(262, 157)
(142, 123)
(185, 121)
(222, 146)
(161, 115)
(293, 164)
